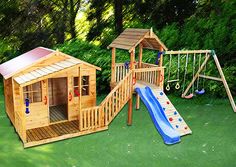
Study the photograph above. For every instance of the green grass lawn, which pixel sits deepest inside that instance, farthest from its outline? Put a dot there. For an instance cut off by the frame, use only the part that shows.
(212, 144)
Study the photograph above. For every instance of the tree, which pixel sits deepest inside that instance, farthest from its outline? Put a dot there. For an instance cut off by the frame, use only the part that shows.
(95, 17)
(118, 12)
(32, 23)
(63, 15)
(165, 12)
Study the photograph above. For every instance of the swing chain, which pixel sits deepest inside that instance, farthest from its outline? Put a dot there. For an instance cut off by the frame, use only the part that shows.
(185, 73)
(168, 85)
(177, 86)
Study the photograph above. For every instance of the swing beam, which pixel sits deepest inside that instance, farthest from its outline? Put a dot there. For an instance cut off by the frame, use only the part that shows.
(222, 77)
(210, 77)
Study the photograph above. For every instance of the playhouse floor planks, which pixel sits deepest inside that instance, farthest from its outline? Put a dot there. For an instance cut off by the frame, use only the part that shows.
(51, 131)
(58, 113)
(172, 114)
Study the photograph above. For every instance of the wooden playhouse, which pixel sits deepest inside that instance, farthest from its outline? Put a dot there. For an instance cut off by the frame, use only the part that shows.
(44, 92)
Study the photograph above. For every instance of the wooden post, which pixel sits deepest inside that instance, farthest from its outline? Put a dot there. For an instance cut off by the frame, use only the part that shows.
(160, 73)
(140, 57)
(130, 103)
(225, 83)
(113, 67)
(161, 58)
(137, 101)
(23, 116)
(80, 108)
(196, 76)
(151, 32)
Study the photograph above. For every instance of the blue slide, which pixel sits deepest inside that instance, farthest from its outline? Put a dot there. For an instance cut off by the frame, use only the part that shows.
(167, 132)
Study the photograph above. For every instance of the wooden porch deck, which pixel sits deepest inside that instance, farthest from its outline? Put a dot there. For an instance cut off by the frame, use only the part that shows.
(51, 131)
(56, 132)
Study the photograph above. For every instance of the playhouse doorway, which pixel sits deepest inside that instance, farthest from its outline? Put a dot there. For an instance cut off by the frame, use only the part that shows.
(58, 103)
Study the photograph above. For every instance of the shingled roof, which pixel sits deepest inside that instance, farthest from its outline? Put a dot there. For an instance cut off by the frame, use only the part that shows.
(131, 37)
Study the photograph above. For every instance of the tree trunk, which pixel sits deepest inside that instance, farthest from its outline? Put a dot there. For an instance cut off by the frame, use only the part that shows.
(118, 16)
(72, 27)
(74, 7)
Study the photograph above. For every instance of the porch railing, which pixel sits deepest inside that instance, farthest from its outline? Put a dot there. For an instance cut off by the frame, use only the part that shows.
(152, 75)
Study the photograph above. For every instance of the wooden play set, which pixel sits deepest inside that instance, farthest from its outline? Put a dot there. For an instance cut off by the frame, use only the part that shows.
(51, 96)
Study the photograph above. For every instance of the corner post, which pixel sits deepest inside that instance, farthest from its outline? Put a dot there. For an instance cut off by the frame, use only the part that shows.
(137, 77)
(160, 79)
(80, 107)
(113, 68)
(130, 103)
(140, 57)
(231, 99)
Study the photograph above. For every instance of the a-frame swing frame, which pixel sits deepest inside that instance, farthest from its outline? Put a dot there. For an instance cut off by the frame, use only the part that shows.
(198, 74)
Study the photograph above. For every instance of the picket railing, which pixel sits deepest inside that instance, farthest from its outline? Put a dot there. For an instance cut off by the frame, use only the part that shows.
(117, 98)
(91, 118)
(149, 75)
(102, 115)
(121, 71)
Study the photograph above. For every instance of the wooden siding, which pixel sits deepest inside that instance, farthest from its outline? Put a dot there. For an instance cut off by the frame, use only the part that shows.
(38, 115)
(73, 105)
(89, 100)
(8, 94)
(20, 123)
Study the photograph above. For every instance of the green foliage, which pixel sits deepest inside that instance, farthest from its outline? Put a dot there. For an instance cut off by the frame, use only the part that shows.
(179, 24)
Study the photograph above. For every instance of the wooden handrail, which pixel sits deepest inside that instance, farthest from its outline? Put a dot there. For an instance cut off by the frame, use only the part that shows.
(117, 87)
(148, 69)
(148, 65)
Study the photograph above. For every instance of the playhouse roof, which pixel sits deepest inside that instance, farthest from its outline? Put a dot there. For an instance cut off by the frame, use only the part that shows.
(131, 37)
(12, 66)
(28, 59)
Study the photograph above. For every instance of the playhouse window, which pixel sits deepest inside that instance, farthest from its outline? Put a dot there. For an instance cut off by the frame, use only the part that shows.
(76, 86)
(33, 92)
(85, 85)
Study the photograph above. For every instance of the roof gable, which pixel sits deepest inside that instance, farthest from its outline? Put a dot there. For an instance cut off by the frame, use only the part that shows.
(131, 37)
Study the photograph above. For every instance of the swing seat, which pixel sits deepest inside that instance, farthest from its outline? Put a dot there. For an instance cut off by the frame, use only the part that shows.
(190, 96)
(200, 92)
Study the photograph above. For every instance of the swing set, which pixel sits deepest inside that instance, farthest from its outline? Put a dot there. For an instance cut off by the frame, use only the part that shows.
(196, 76)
